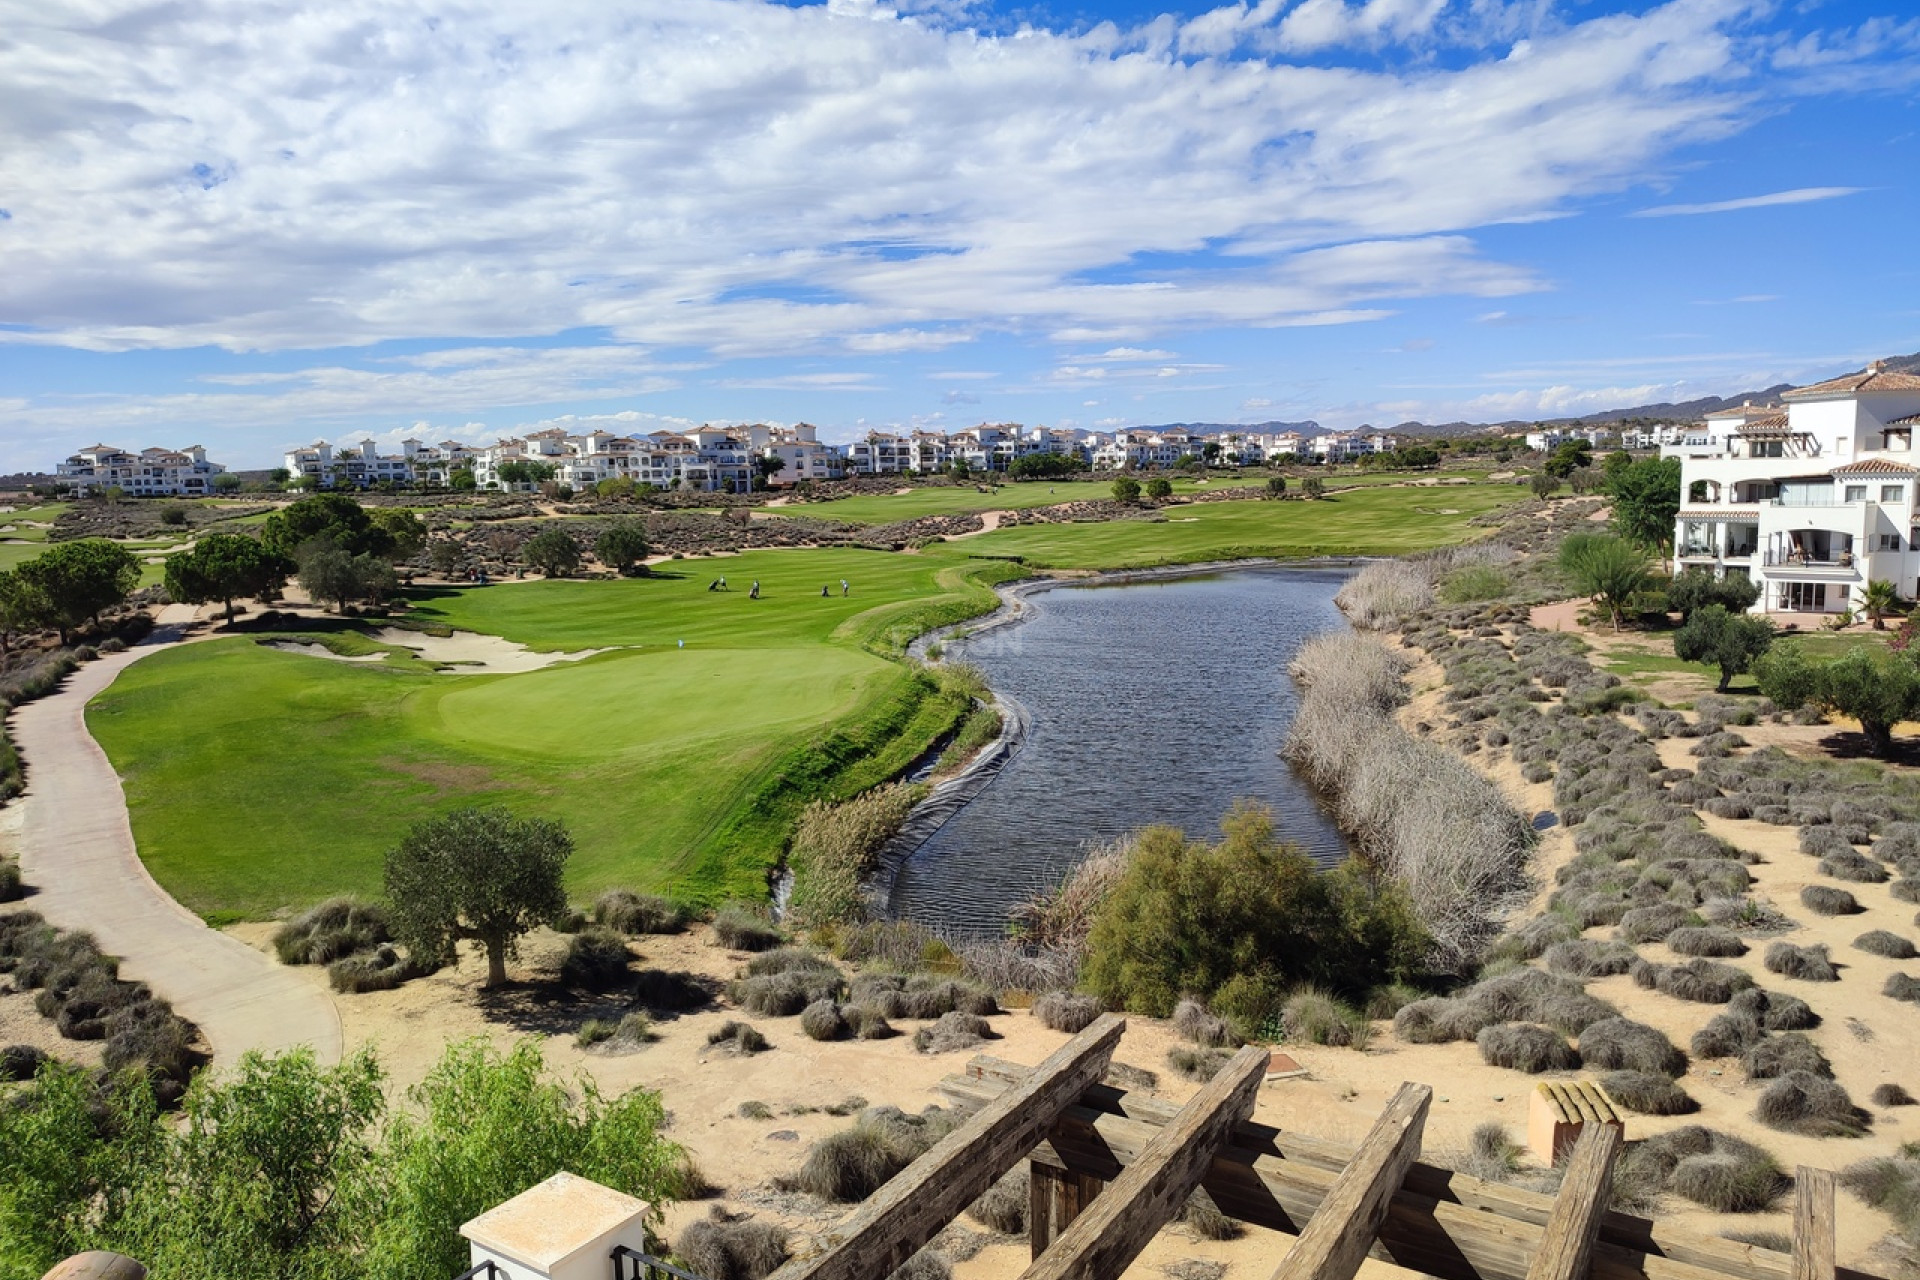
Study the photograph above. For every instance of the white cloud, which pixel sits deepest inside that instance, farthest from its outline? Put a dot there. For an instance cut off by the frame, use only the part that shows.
(1799, 195)
(744, 178)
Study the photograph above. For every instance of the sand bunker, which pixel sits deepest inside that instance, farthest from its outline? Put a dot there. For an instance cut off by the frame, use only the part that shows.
(472, 653)
(321, 651)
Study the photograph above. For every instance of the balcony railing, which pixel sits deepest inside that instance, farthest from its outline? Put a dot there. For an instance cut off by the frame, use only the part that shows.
(1795, 560)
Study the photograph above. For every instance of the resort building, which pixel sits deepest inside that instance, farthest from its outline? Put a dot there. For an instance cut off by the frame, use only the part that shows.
(1813, 498)
(359, 466)
(151, 473)
(709, 459)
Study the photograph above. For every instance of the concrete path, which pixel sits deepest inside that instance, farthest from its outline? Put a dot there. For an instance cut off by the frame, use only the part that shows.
(77, 853)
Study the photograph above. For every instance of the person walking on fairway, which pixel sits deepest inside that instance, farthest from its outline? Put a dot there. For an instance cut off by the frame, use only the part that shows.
(844, 588)
(754, 592)
(823, 591)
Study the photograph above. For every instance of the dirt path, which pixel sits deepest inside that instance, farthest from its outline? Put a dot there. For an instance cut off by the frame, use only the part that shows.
(77, 852)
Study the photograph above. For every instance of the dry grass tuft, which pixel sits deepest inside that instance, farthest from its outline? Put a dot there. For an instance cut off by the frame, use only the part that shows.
(1825, 900)
(1063, 1011)
(955, 1030)
(721, 1247)
(1880, 942)
(1809, 964)
(1193, 1022)
(1521, 1046)
(1802, 1102)
(1784, 1054)
(1003, 1207)
(1890, 1095)
(1649, 1093)
(1615, 1044)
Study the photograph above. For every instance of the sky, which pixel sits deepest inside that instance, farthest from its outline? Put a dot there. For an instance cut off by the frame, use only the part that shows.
(251, 224)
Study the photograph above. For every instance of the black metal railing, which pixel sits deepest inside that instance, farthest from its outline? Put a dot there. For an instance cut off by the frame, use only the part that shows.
(631, 1264)
(1795, 560)
(486, 1270)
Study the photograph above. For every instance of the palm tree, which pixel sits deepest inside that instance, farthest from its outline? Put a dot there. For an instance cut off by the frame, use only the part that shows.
(1878, 600)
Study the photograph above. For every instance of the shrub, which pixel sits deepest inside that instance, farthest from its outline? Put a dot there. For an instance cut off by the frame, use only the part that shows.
(1654, 923)
(849, 1166)
(1197, 1064)
(20, 1061)
(1314, 1017)
(1491, 1154)
(1590, 958)
(1193, 1022)
(1062, 1011)
(1615, 1044)
(867, 1023)
(821, 1020)
(639, 913)
(1890, 1184)
(671, 990)
(738, 1037)
(596, 960)
(1701, 981)
(754, 1110)
(1787, 1053)
(720, 1248)
(337, 927)
(12, 889)
(1802, 1102)
(1188, 916)
(1204, 1218)
(1879, 942)
(1891, 1095)
(1705, 940)
(1003, 1206)
(742, 928)
(1902, 987)
(955, 1030)
(784, 994)
(592, 1032)
(1713, 1169)
(1825, 900)
(921, 996)
(1649, 1093)
(1851, 866)
(382, 969)
(1809, 964)
(1521, 1046)
(1534, 938)
(790, 960)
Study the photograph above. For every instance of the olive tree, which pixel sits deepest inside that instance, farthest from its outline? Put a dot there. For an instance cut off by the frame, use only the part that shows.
(480, 875)
(1731, 641)
(1126, 489)
(621, 545)
(551, 552)
(1879, 689)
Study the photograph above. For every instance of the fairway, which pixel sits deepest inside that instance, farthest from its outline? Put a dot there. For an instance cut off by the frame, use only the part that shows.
(260, 781)
(1009, 495)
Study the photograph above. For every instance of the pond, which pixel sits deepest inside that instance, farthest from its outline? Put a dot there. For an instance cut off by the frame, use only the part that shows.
(1148, 702)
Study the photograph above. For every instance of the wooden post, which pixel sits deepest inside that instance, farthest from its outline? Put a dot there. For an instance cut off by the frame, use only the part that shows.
(1341, 1231)
(1057, 1198)
(1813, 1253)
(1566, 1248)
(1151, 1190)
(919, 1202)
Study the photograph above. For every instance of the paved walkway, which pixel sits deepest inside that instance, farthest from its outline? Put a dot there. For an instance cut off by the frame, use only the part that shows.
(77, 853)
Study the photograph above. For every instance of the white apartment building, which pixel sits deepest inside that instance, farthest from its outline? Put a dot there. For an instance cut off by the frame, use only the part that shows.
(151, 473)
(1814, 498)
(359, 466)
(1345, 446)
(799, 447)
(709, 459)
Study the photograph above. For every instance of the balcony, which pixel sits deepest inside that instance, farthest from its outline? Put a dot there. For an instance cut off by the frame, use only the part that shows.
(1838, 563)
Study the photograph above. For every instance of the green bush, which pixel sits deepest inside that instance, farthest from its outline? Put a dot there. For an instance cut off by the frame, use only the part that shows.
(638, 913)
(337, 927)
(1187, 917)
(596, 959)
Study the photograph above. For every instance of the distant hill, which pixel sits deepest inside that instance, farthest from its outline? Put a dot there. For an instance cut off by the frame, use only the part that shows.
(1665, 411)
(1262, 428)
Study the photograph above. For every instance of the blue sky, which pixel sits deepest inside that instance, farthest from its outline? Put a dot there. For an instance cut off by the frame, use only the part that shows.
(253, 223)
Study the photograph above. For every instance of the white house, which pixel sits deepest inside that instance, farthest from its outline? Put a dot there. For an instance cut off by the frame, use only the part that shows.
(1814, 499)
(709, 459)
(359, 466)
(151, 473)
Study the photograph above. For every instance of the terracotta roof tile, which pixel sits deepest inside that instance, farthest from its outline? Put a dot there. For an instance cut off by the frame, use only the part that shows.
(1871, 379)
(1876, 466)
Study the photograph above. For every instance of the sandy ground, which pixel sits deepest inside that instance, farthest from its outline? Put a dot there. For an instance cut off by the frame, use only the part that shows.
(1870, 1038)
(471, 652)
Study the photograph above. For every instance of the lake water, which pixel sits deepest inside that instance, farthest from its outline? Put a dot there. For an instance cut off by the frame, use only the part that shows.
(1150, 702)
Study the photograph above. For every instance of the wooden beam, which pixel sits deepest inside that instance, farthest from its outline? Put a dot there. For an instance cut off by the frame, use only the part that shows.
(1056, 1198)
(1566, 1247)
(1813, 1224)
(1341, 1231)
(1153, 1188)
(1466, 1228)
(918, 1203)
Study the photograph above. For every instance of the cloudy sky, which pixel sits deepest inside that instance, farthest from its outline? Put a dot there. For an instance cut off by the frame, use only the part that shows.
(254, 223)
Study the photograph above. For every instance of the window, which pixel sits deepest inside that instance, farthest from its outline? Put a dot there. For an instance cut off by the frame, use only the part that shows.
(1892, 492)
(1856, 493)
(1804, 597)
(1889, 542)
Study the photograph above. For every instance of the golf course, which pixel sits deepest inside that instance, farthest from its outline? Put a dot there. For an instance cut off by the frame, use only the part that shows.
(261, 779)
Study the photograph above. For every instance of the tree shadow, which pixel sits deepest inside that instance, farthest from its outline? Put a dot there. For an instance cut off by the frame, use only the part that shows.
(1846, 744)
